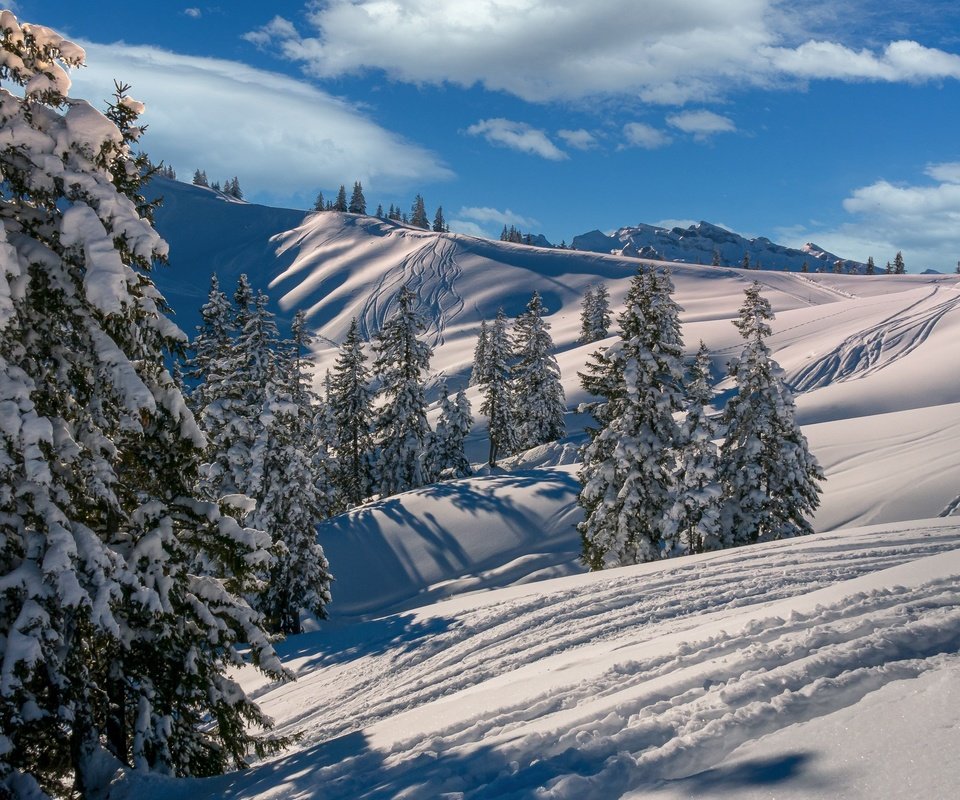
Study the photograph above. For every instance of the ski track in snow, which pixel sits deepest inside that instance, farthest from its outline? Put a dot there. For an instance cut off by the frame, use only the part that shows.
(431, 272)
(636, 721)
(877, 346)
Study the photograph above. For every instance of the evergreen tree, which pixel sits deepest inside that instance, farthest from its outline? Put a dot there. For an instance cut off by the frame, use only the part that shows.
(233, 189)
(715, 260)
(804, 267)
(479, 373)
(628, 469)
(889, 269)
(447, 459)
(108, 638)
(586, 316)
(745, 264)
(402, 431)
(898, 266)
(537, 393)
(212, 348)
(351, 403)
(341, 201)
(319, 204)
(200, 178)
(696, 511)
(439, 223)
(418, 214)
(770, 479)
(497, 404)
(358, 203)
(595, 314)
(871, 267)
(379, 211)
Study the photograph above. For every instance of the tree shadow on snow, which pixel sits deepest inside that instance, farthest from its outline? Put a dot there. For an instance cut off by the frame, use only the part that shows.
(755, 772)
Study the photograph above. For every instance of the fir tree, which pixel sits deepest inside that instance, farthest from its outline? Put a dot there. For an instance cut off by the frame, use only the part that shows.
(696, 510)
(211, 348)
(358, 203)
(871, 267)
(108, 637)
(586, 316)
(595, 314)
(439, 223)
(351, 404)
(341, 202)
(200, 178)
(715, 260)
(319, 204)
(418, 214)
(770, 479)
(628, 470)
(379, 211)
(745, 264)
(898, 266)
(497, 402)
(537, 393)
(447, 459)
(479, 373)
(402, 431)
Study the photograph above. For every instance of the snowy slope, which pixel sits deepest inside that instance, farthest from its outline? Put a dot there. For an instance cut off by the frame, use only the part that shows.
(685, 677)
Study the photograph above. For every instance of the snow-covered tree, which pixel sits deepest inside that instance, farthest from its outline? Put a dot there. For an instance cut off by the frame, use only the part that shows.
(479, 372)
(537, 396)
(898, 266)
(447, 459)
(291, 493)
(200, 178)
(770, 479)
(351, 403)
(595, 314)
(340, 204)
(212, 349)
(401, 427)
(586, 316)
(109, 641)
(319, 204)
(358, 203)
(497, 400)
(696, 510)
(628, 470)
(418, 214)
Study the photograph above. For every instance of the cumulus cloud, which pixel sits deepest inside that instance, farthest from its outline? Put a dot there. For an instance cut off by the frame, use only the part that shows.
(639, 134)
(664, 51)
(921, 220)
(579, 139)
(517, 136)
(701, 124)
(282, 137)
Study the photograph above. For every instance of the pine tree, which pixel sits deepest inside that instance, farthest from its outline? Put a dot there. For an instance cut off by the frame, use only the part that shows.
(537, 394)
(402, 431)
(696, 511)
(351, 403)
(291, 492)
(770, 479)
(478, 374)
(447, 458)
(497, 401)
(319, 204)
(108, 638)
(439, 223)
(628, 470)
(200, 178)
(418, 214)
(358, 203)
(898, 266)
(341, 202)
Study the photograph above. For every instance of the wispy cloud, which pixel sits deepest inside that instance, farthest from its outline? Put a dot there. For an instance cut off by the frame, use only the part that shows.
(579, 139)
(639, 134)
(281, 136)
(701, 124)
(517, 136)
(485, 214)
(664, 51)
(195, 13)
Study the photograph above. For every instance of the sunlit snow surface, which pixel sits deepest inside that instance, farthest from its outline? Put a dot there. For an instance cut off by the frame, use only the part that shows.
(467, 654)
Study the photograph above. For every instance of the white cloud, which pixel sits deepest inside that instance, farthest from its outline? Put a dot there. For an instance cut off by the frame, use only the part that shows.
(664, 51)
(485, 214)
(921, 220)
(579, 139)
(195, 13)
(468, 227)
(639, 134)
(282, 137)
(517, 136)
(701, 124)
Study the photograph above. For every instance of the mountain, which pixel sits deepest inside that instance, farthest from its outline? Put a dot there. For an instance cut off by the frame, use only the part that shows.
(469, 655)
(702, 242)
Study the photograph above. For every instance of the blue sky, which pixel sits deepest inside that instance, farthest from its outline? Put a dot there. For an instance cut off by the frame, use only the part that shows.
(804, 121)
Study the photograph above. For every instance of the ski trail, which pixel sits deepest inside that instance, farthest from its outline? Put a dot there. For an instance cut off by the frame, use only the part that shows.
(430, 271)
(875, 347)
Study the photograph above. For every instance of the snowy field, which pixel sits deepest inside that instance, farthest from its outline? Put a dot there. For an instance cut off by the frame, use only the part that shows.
(469, 656)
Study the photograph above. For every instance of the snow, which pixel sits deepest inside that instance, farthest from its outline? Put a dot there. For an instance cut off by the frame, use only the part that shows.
(468, 654)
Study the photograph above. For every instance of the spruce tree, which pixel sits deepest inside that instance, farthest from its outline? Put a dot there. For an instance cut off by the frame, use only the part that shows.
(586, 316)
(871, 267)
(319, 204)
(595, 314)
(351, 403)
(696, 510)
(497, 401)
(379, 211)
(200, 178)
(341, 202)
(770, 480)
(418, 214)
(478, 374)
(401, 427)
(537, 394)
(439, 223)
(447, 458)
(898, 266)
(109, 640)
(358, 203)
(628, 470)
